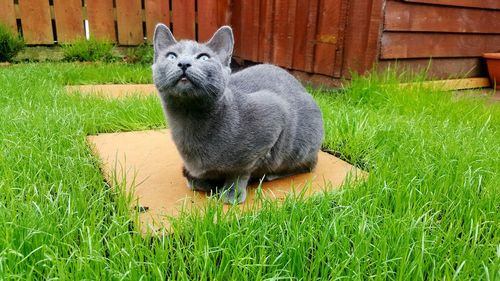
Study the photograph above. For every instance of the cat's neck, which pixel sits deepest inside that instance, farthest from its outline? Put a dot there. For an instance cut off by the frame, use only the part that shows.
(199, 113)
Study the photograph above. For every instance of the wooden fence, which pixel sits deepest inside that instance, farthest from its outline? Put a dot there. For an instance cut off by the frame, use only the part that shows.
(305, 35)
(126, 22)
(328, 38)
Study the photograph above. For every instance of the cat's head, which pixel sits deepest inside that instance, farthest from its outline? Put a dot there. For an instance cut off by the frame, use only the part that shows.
(190, 69)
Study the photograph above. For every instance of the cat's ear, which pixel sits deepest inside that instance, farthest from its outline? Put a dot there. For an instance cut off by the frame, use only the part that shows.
(222, 44)
(162, 39)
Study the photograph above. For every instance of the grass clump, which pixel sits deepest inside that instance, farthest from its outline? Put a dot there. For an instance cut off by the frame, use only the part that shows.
(428, 211)
(91, 50)
(142, 54)
(10, 44)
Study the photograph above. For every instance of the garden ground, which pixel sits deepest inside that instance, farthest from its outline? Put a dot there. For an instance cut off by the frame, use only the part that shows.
(430, 208)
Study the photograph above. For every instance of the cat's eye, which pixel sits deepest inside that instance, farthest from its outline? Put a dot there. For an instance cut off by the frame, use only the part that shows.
(171, 56)
(203, 57)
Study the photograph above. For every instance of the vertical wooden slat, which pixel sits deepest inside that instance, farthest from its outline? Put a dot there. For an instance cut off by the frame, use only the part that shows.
(254, 55)
(344, 7)
(8, 15)
(326, 37)
(362, 35)
(157, 11)
(311, 35)
(266, 30)
(300, 38)
(101, 19)
(69, 20)
(129, 19)
(36, 21)
(292, 10)
(183, 19)
(247, 29)
(207, 19)
(211, 15)
(280, 33)
(237, 27)
(223, 12)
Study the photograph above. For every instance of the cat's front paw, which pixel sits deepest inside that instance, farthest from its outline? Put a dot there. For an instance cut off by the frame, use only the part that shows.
(235, 190)
(234, 196)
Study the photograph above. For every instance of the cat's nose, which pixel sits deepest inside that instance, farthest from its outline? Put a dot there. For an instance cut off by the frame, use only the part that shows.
(183, 65)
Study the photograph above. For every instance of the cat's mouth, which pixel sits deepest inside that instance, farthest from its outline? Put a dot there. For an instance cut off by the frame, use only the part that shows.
(183, 78)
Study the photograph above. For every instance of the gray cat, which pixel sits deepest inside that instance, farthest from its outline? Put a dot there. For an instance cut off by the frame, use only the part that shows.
(230, 129)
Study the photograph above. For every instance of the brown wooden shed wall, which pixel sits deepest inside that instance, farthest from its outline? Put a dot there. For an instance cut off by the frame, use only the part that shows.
(453, 33)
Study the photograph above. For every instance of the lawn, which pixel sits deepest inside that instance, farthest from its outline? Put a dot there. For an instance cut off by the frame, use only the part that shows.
(430, 208)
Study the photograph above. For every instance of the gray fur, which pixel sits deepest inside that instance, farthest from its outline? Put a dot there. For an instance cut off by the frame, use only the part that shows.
(230, 129)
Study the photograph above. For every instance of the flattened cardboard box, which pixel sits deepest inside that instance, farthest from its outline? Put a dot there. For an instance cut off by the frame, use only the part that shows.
(151, 167)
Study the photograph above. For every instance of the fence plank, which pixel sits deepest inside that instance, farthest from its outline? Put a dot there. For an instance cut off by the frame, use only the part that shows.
(255, 30)
(311, 34)
(300, 38)
(246, 24)
(485, 4)
(183, 19)
(361, 35)
(101, 19)
(415, 17)
(265, 31)
(207, 19)
(157, 11)
(236, 24)
(69, 20)
(280, 33)
(326, 37)
(290, 36)
(223, 12)
(8, 15)
(36, 21)
(423, 45)
(129, 19)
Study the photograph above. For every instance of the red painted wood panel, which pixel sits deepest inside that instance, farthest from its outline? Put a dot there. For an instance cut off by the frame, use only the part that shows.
(344, 6)
(424, 45)
(292, 10)
(326, 37)
(486, 4)
(183, 19)
(101, 19)
(248, 38)
(8, 15)
(300, 35)
(36, 21)
(265, 31)
(312, 20)
(280, 33)
(156, 11)
(129, 19)
(361, 36)
(223, 12)
(207, 20)
(415, 17)
(211, 16)
(439, 68)
(69, 20)
(236, 24)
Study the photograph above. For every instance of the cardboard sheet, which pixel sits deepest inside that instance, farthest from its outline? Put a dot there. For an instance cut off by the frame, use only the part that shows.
(113, 91)
(147, 163)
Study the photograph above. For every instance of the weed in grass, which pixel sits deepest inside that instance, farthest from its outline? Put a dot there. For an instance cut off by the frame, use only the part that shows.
(89, 50)
(10, 44)
(142, 54)
(429, 209)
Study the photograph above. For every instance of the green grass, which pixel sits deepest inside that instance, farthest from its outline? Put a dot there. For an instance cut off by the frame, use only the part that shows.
(429, 210)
